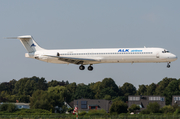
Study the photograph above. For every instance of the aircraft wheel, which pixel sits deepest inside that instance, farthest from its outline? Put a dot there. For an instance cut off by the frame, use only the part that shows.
(168, 66)
(90, 68)
(81, 67)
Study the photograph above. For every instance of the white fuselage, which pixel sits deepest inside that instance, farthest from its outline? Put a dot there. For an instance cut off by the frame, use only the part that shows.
(95, 56)
(111, 55)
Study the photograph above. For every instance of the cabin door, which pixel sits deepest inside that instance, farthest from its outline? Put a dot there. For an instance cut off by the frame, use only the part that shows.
(157, 55)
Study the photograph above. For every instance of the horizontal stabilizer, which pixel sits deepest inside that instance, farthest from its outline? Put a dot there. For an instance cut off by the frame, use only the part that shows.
(20, 37)
(10, 38)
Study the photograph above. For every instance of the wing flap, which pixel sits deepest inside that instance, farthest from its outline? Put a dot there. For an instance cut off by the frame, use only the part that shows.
(73, 60)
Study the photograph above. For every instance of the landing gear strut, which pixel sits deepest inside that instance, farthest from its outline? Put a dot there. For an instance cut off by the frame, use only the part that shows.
(81, 67)
(168, 64)
(90, 68)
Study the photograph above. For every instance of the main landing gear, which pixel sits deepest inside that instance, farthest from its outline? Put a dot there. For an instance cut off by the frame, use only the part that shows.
(81, 67)
(168, 64)
(90, 68)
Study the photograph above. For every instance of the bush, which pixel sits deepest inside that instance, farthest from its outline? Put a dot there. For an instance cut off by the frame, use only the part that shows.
(97, 112)
(133, 108)
(175, 107)
(39, 111)
(70, 110)
(167, 109)
(118, 107)
(82, 113)
(153, 107)
(8, 107)
(3, 107)
(177, 111)
(11, 108)
(145, 111)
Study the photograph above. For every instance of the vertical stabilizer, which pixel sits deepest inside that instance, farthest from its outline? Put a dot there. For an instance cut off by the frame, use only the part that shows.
(28, 42)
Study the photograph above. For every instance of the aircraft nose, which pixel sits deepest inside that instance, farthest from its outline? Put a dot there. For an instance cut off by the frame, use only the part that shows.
(173, 57)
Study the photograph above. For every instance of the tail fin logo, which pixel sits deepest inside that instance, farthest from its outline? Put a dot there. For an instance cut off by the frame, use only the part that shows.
(33, 45)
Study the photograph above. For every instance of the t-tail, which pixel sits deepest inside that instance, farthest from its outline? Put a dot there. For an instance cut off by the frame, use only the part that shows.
(28, 42)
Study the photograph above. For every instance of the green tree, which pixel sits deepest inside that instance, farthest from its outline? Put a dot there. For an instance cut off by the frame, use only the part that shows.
(24, 98)
(61, 91)
(109, 87)
(106, 87)
(44, 100)
(107, 97)
(118, 107)
(109, 83)
(142, 90)
(96, 88)
(55, 83)
(128, 89)
(71, 89)
(4, 96)
(120, 98)
(162, 85)
(151, 89)
(7, 86)
(67, 82)
(83, 91)
(41, 83)
(26, 86)
(153, 107)
(108, 91)
(173, 88)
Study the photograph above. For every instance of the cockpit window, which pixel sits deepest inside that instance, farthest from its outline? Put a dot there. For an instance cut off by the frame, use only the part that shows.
(165, 51)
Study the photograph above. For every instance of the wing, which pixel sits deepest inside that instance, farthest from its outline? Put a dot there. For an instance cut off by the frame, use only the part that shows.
(76, 60)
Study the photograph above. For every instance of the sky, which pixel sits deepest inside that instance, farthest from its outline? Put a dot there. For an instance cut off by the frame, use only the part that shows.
(71, 24)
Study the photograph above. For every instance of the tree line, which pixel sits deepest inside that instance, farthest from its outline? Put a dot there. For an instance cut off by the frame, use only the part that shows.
(46, 95)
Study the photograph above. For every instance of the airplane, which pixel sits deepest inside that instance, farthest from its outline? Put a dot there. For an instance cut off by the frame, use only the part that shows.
(95, 56)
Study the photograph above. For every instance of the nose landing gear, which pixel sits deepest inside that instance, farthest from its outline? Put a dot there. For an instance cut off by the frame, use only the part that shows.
(168, 64)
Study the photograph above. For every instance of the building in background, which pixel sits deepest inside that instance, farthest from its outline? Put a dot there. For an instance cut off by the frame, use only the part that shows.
(176, 100)
(88, 104)
(143, 101)
(19, 105)
(22, 105)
